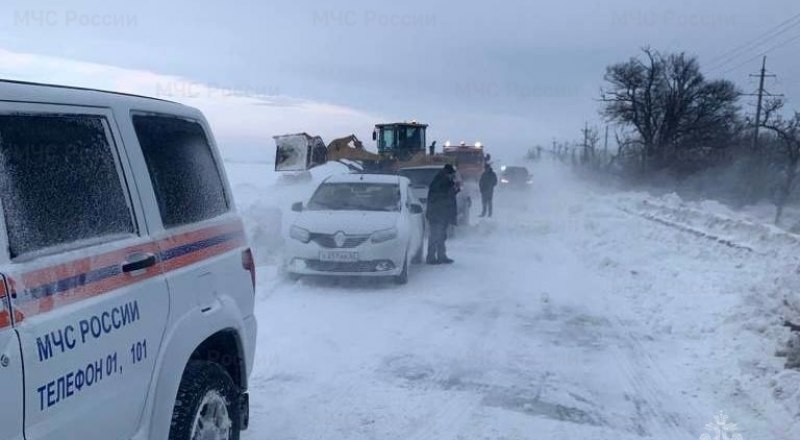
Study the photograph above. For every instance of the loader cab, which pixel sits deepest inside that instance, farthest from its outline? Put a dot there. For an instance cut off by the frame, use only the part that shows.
(400, 140)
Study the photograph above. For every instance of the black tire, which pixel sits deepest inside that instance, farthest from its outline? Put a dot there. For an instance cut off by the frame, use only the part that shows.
(200, 380)
(292, 276)
(402, 279)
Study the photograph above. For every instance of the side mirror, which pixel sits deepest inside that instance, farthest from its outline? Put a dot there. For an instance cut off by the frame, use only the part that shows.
(415, 208)
(297, 207)
(374, 135)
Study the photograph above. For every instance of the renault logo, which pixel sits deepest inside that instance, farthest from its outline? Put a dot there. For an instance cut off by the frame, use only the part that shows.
(339, 239)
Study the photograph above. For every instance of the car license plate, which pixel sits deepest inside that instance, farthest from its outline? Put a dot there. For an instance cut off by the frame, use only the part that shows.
(339, 256)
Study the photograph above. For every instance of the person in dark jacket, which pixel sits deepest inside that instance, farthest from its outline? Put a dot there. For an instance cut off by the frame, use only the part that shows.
(487, 183)
(441, 213)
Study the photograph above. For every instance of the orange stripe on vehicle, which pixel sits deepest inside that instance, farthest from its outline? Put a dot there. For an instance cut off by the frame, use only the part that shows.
(47, 304)
(5, 319)
(54, 273)
(5, 316)
(194, 257)
(46, 277)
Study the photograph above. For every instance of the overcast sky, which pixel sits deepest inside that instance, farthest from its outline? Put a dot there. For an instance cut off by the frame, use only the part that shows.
(508, 73)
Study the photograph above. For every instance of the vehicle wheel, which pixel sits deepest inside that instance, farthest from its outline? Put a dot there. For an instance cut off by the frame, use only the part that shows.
(207, 406)
(403, 277)
(292, 276)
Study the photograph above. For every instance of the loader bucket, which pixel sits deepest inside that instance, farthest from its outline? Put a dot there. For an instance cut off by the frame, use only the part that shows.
(298, 152)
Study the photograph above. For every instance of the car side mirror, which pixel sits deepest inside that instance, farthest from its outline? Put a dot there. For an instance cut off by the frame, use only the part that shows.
(297, 207)
(415, 208)
(374, 135)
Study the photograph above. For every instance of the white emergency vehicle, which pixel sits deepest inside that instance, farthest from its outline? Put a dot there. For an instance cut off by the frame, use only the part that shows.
(126, 283)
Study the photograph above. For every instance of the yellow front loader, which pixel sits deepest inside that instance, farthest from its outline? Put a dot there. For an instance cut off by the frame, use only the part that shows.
(400, 145)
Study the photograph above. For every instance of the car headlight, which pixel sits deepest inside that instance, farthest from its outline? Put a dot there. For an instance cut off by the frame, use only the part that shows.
(300, 234)
(503, 180)
(384, 235)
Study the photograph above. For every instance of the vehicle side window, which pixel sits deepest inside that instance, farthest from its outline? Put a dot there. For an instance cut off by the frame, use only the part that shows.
(59, 182)
(185, 176)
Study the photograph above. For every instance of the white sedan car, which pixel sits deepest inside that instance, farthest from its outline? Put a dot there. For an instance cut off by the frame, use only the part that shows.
(357, 225)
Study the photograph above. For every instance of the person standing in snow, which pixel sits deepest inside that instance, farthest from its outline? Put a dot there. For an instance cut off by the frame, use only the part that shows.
(441, 213)
(486, 184)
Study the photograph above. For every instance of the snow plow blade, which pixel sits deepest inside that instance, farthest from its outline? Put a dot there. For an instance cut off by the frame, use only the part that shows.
(299, 152)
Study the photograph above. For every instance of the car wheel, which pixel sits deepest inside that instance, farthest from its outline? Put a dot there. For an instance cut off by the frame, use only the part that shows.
(293, 276)
(403, 277)
(207, 406)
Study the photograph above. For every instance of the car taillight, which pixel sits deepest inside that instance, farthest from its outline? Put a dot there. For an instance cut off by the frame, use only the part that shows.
(249, 265)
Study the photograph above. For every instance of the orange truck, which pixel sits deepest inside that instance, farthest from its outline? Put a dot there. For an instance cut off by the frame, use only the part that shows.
(469, 159)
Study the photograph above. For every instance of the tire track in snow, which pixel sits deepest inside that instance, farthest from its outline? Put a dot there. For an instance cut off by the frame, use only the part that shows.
(657, 412)
(650, 390)
(451, 419)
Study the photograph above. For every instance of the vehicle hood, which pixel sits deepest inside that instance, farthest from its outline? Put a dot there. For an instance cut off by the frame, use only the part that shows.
(349, 222)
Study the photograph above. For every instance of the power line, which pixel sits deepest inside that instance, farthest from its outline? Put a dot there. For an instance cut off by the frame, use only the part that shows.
(759, 37)
(773, 32)
(749, 60)
(742, 49)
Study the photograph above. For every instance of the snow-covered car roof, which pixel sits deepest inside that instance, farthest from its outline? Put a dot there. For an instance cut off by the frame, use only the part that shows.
(368, 178)
(21, 91)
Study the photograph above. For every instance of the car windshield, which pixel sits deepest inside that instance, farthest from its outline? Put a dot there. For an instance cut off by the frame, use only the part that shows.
(356, 196)
(420, 177)
(516, 173)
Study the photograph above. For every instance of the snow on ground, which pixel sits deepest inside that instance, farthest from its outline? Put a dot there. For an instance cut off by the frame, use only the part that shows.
(575, 313)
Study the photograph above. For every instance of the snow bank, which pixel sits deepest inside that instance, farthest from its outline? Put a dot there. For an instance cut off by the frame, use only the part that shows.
(716, 220)
(755, 322)
(264, 198)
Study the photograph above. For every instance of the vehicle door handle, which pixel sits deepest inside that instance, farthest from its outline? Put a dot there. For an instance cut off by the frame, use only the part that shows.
(138, 262)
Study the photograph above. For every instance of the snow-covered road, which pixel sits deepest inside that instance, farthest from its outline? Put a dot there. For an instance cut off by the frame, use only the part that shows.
(572, 315)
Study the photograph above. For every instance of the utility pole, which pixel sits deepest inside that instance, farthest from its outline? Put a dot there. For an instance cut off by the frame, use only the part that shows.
(585, 134)
(605, 143)
(760, 94)
(585, 149)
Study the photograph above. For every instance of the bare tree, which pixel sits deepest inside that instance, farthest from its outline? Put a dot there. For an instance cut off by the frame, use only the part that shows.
(788, 131)
(669, 103)
(628, 148)
(591, 139)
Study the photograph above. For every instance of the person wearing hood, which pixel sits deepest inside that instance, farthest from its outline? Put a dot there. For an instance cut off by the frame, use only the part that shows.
(441, 213)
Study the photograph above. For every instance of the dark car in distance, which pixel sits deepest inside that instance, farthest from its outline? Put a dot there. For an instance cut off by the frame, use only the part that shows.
(515, 177)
